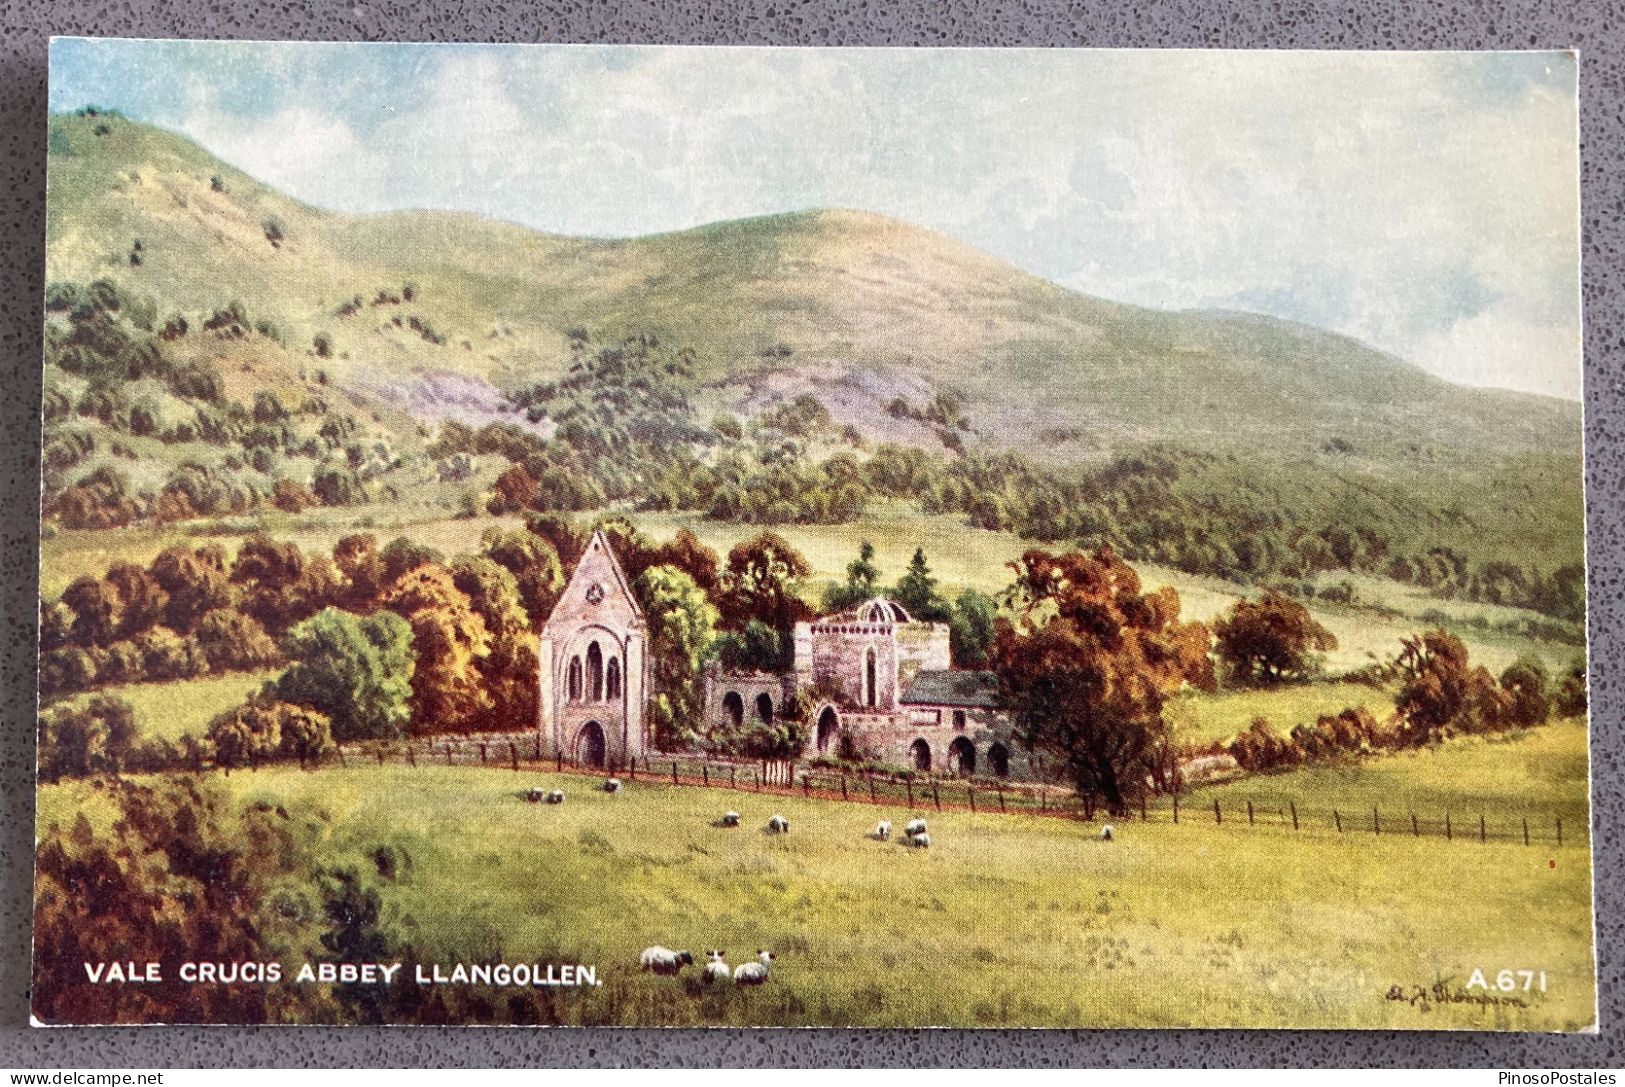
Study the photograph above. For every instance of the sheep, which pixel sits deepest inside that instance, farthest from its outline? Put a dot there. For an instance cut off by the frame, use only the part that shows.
(664, 961)
(915, 827)
(1106, 832)
(535, 795)
(919, 841)
(753, 973)
(729, 819)
(883, 830)
(613, 785)
(716, 971)
(555, 797)
(778, 825)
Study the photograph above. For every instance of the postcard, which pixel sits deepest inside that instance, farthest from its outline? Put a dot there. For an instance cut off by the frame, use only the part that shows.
(651, 536)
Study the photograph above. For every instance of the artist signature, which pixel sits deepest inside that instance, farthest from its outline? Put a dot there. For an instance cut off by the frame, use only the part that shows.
(1446, 991)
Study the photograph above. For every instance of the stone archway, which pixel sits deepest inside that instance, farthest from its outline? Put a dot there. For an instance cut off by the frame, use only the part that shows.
(591, 747)
(998, 760)
(919, 753)
(829, 726)
(764, 708)
(733, 707)
(962, 757)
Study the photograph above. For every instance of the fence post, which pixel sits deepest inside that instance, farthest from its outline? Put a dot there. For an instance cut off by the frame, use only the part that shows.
(806, 783)
(1483, 835)
(733, 777)
(411, 756)
(1526, 830)
(1338, 819)
(972, 794)
(538, 747)
(843, 785)
(1250, 813)
(1176, 809)
(1142, 808)
(935, 799)
(674, 771)
(909, 784)
(705, 772)
(1560, 832)
(632, 768)
(482, 753)
(380, 752)
(872, 798)
(1293, 804)
(1043, 799)
(558, 759)
(1001, 802)
(448, 754)
(341, 758)
(1376, 821)
(1416, 830)
(1217, 818)
(1448, 834)
(513, 749)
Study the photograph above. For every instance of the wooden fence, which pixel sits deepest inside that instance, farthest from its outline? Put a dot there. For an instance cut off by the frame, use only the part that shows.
(926, 792)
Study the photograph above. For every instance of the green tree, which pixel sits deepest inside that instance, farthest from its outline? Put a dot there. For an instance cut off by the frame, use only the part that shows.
(511, 667)
(1524, 682)
(971, 629)
(1087, 664)
(862, 579)
(95, 738)
(682, 626)
(451, 642)
(762, 582)
(917, 591)
(357, 671)
(535, 566)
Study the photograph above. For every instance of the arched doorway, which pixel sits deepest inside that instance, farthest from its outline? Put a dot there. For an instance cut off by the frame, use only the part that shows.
(998, 759)
(590, 746)
(962, 757)
(612, 680)
(920, 753)
(828, 726)
(733, 707)
(595, 673)
(764, 708)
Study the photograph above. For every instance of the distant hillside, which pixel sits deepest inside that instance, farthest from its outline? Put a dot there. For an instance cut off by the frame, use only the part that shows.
(886, 331)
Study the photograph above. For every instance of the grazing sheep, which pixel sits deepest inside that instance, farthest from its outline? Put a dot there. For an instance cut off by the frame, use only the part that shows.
(664, 961)
(918, 841)
(753, 973)
(729, 819)
(1106, 832)
(613, 785)
(715, 969)
(778, 825)
(535, 795)
(555, 797)
(883, 830)
(915, 827)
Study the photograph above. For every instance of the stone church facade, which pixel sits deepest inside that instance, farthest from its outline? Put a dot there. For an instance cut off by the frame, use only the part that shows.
(595, 666)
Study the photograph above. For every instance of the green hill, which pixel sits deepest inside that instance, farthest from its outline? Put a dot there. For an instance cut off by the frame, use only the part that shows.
(424, 316)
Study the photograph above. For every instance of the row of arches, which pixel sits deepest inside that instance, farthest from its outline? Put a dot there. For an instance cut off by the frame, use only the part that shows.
(733, 706)
(961, 757)
(594, 681)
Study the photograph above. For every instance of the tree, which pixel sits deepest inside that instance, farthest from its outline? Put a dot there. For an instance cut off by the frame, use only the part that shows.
(196, 582)
(1087, 663)
(1524, 683)
(763, 581)
(685, 552)
(511, 669)
(357, 671)
(513, 491)
(357, 558)
(534, 564)
(917, 591)
(1442, 692)
(682, 626)
(451, 642)
(232, 641)
(1270, 641)
(862, 579)
(95, 738)
(971, 629)
(1569, 700)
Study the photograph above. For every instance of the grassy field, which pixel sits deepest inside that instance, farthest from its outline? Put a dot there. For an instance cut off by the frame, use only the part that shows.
(171, 710)
(1214, 718)
(1005, 921)
(1540, 773)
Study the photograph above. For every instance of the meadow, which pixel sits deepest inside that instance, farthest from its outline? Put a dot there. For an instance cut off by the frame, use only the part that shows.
(1004, 921)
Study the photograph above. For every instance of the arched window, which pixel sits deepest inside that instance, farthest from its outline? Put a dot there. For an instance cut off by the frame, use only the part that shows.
(828, 726)
(998, 757)
(962, 757)
(764, 707)
(595, 673)
(869, 685)
(734, 708)
(612, 680)
(574, 683)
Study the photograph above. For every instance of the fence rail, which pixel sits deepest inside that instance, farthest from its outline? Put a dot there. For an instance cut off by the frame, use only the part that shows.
(927, 793)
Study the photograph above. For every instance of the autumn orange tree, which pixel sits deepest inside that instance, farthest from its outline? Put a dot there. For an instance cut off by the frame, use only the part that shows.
(1087, 663)
(449, 693)
(1269, 641)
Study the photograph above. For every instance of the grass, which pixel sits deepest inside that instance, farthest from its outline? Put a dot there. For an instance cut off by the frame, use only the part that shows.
(1541, 774)
(1203, 719)
(171, 710)
(1005, 921)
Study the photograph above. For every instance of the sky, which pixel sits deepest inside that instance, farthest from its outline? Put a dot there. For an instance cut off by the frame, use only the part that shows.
(1426, 203)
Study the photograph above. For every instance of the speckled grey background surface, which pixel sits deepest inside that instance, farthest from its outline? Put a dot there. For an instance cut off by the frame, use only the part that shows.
(1594, 28)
